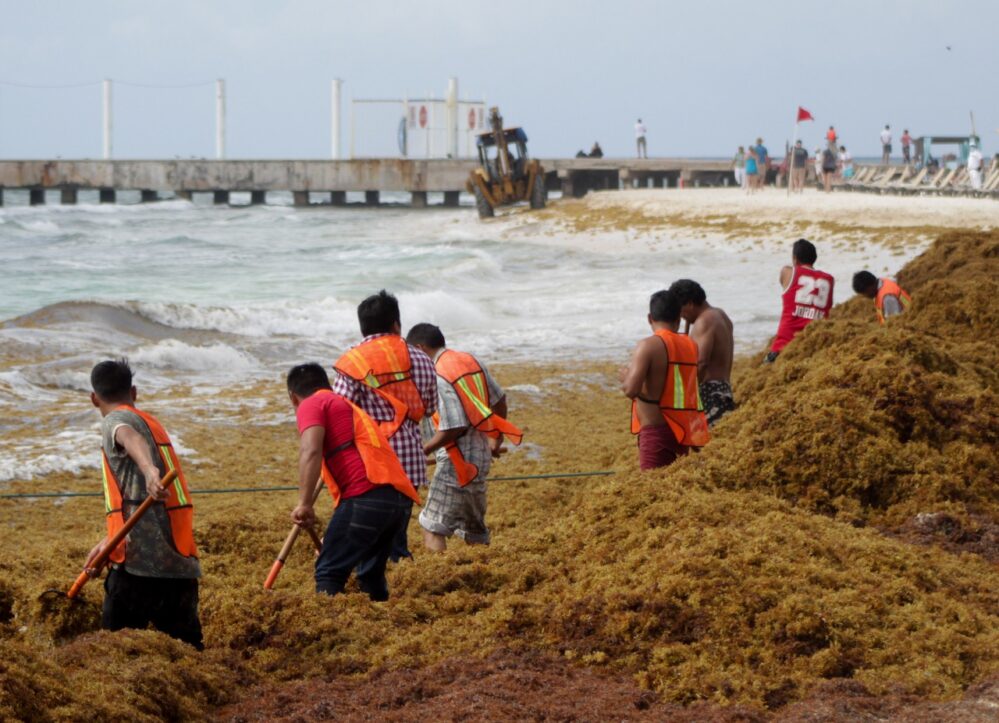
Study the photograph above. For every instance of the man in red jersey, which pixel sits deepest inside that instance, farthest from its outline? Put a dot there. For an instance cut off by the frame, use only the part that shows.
(808, 295)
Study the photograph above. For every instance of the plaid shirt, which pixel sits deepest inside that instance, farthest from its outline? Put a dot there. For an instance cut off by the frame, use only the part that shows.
(406, 443)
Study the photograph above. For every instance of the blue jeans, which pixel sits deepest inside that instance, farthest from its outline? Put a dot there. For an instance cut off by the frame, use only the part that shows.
(362, 528)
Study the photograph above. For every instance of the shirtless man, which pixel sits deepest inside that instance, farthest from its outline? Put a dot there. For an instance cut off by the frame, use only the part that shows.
(661, 381)
(711, 330)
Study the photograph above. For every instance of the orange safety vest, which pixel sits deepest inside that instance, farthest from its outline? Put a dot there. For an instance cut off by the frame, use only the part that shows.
(179, 507)
(890, 288)
(384, 365)
(463, 372)
(680, 402)
(381, 465)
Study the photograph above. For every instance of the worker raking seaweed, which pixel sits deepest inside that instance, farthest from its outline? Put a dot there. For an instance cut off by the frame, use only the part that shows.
(372, 496)
(807, 295)
(666, 410)
(395, 384)
(154, 572)
(890, 299)
(469, 430)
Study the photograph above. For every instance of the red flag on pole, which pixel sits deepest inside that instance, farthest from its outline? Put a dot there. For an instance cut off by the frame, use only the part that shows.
(803, 115)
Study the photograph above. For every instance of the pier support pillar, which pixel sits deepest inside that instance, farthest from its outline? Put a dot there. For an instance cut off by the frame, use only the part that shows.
(451, 198)
(149, 195)
(220, 198)
(67, 196)
(338, 198)
(657, 181)
(1, 195)
(107, 195)
(419, 199)
(300, 198)
(568, 188)
(258, 198)
(182, 195)
(36, 196)
(371, 198)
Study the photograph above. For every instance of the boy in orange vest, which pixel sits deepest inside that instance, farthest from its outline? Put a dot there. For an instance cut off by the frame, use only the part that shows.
(666, 410)
(372, 495)
(890, 299)
(471, 425)
(154, 574)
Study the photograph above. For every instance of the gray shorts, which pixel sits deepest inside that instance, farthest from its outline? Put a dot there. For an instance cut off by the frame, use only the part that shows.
(453, 510)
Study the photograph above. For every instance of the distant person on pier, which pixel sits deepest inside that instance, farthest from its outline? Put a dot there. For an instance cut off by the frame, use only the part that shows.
(640, 131)
(469, 430)
(890, 299)
(799, 160)
(661, 381)
(739, 167)
(976, 163)
(711, 330)
(807, 295)
(596, 151)
(886, 145)
(831, 135)
(396, 385)
(906, 150)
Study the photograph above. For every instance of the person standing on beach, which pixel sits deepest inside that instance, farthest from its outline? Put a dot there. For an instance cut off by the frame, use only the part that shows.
(396, 385)
(470, 428)
(711, 329)
(154, 573)
(666, 410)
(739, 167)
(640, 131)
(800, 167)
(906, 142)
(886, 145)
(890, 299)
(828, 167)
(845, 163)
(372, 496)
(751, 170)
(807, 295)
(976, 163)
(762, 162)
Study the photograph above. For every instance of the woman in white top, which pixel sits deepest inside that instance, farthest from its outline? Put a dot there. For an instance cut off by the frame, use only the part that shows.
(845, 163)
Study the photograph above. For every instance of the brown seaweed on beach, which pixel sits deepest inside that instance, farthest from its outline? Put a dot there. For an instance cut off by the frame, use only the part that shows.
(752, 574)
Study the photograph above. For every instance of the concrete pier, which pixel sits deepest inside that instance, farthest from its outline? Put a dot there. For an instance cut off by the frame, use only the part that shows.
(36, 196)
(575, 177)
(148, 195)
(258, 198)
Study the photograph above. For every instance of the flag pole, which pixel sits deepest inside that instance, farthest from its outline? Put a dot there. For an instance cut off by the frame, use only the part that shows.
(794, 142)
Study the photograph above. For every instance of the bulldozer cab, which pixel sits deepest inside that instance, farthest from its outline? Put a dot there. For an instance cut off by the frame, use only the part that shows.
(498, 164)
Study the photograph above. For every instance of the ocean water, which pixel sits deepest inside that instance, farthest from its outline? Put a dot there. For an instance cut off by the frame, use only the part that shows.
(202, 298)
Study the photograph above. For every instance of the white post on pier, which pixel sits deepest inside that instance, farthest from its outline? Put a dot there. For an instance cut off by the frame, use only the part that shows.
(335, 120)
(452, 118)
(220, 119)
(107, 119)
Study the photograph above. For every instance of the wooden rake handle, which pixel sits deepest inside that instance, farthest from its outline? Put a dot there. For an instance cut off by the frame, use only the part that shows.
(289, 542)
(120, 535)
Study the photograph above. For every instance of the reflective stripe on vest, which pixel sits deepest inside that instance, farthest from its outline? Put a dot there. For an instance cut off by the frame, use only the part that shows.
(381, 465)
(178, 505)
(384, 365)
(889, 288)
(680, 401)
(464, 373)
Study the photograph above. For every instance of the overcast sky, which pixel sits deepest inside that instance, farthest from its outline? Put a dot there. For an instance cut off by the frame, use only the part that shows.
(706, 76)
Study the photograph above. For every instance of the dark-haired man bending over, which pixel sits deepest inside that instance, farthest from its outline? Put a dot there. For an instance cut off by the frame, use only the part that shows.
(372, 495)
(807, 295)
(661, 381)
(155, 570)
(711, 330)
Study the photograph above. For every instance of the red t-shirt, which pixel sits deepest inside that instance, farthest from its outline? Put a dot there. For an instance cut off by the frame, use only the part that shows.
(809, 296)
(331, 412)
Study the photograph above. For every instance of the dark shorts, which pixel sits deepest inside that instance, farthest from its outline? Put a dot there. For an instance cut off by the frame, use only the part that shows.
(168, 604)
(657, 447)
(886, 148)
(363, 528)
(716, 396)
